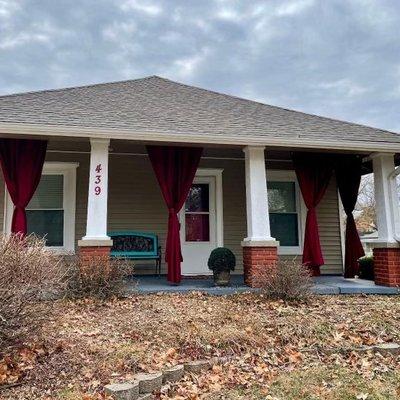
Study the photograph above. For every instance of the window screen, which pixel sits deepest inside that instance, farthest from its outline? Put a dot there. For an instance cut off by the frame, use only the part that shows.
(283, 214)
(45, 212)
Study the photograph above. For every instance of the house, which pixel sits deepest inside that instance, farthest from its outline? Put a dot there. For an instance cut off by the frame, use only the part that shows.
(106, 150)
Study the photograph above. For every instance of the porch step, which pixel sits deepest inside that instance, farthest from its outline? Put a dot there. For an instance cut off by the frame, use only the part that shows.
(323, 285)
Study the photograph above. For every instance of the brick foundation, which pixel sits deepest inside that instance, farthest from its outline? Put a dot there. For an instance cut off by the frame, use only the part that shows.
(258, 263)
(387, 266)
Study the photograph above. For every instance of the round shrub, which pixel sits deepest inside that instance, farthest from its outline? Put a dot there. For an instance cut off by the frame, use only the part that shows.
(366, 264)
(221, 259)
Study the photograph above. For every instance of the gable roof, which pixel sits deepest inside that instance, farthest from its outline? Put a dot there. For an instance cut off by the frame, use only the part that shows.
(155, 108)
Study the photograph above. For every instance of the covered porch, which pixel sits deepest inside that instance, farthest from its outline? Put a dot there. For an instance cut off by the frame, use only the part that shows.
(229, 193)
(252, 200)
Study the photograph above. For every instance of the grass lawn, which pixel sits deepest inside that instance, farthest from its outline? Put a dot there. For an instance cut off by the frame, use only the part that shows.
(277, 351)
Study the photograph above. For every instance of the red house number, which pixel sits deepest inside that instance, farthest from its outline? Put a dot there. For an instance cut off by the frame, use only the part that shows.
(97, 188)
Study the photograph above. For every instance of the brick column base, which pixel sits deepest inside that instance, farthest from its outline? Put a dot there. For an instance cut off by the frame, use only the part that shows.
(90, 252)
(258, 263)
(387, 266)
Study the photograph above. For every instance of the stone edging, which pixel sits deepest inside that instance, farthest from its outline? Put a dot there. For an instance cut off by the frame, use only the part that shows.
(143, 384)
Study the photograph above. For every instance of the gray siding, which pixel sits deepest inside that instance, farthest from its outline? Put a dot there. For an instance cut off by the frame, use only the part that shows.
(329, 229)
(135, 203)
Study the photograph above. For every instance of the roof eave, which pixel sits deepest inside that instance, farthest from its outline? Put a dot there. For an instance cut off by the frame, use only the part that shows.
(126, 134)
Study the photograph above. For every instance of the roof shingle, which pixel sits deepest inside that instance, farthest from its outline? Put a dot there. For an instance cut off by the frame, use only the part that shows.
(158, 105)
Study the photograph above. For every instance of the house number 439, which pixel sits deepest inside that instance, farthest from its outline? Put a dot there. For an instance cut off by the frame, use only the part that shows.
(97, 181)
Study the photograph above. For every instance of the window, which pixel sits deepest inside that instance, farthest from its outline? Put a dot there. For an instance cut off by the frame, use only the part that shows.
(197, 213)
(45, 212)
(284, 211)
(51, 211)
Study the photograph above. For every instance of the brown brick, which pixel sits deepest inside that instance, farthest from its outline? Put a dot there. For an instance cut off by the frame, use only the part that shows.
(387, 266)
(86, 253)
(257, 261)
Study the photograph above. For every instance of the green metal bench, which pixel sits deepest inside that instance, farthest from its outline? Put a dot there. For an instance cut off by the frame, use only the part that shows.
(136, 246)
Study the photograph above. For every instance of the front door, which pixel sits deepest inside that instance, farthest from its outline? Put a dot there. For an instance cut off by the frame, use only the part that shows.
(199, 226)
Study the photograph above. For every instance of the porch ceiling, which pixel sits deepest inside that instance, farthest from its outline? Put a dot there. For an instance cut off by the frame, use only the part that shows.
(117, 147)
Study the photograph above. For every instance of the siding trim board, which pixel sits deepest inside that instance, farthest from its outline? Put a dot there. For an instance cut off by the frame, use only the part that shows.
(135, 203)
(112, 153)
(196, 138)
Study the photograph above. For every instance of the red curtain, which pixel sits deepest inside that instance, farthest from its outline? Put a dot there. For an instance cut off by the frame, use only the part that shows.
(348, 176)
(175, 168)
(22, 163)
(313, 172)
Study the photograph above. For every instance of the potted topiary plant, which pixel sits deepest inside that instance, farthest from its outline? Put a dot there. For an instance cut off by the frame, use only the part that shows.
(222, 261)
(366, 265)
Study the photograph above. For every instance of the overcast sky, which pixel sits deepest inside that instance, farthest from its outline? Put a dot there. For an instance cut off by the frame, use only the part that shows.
(338, 58)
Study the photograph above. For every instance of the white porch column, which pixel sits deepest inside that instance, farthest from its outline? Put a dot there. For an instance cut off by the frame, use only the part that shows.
(385, 195)
(258, 228)
(96, 224)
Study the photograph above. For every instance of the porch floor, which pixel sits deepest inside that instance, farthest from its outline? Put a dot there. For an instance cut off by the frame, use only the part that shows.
(323, 285)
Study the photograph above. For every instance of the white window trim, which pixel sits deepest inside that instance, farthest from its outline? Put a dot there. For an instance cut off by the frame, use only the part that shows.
(290, 176)
(219, 206)
(68, 170)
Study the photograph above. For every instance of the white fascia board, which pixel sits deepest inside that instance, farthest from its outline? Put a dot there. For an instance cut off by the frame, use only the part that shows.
(197, 138)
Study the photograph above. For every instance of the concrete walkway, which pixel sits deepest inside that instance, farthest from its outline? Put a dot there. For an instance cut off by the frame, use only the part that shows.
(323, 285)
(340, 285)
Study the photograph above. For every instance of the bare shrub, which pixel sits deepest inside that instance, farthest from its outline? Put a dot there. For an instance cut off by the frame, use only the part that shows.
(291, 281)
(29, 273)
(97, 276)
